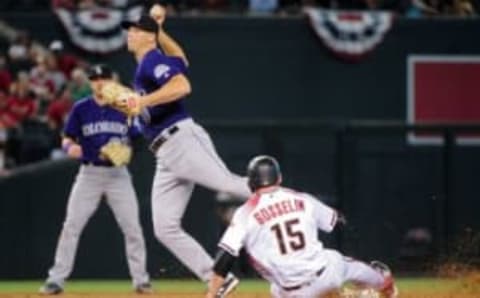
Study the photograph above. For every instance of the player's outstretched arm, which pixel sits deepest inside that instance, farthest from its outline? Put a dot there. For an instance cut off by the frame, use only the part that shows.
(72, 149)
(326, 217)
(169, 45)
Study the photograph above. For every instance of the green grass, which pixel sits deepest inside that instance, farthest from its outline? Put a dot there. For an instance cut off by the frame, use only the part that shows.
(119, 286)
(430, 285)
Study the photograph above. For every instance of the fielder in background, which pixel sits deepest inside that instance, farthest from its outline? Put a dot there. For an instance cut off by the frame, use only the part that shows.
(99, 136)
(185, 154)
(278, 228)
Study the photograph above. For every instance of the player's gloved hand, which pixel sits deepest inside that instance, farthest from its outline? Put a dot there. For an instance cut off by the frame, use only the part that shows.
(121, 98)
(118, 153)
(129, 104)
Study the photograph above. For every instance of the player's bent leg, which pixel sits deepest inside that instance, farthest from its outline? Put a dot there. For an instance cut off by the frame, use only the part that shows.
(377, 276)
(329, 280)
(170, 197)
(359, 272)
(197, 160)
(230, 182)
(122, 200)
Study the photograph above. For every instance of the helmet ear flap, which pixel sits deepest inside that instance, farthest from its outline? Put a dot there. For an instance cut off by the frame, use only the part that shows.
(251, 185)
(280, 179)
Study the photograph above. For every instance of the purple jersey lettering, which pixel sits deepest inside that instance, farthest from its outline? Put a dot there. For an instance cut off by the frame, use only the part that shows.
(154, 71)
(92, 126)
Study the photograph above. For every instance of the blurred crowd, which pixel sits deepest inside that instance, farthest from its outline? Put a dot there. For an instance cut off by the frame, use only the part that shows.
(38, 85)
(409, 8)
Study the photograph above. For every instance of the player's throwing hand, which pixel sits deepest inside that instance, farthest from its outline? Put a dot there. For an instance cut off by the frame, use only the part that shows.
(158, 13)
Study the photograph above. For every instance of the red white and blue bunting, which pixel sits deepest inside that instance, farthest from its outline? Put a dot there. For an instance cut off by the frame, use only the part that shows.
(97, 30)
(350, 34)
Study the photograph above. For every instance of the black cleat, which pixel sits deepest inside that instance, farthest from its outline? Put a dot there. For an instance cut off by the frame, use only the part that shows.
(145, 288)
(50, 288)
(389, 289)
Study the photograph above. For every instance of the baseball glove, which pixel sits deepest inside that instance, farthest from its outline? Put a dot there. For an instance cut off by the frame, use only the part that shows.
(118, 153)
(121, 98)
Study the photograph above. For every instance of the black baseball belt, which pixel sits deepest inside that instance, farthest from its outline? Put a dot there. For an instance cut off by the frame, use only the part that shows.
(98, 164)
(297, 287)
(163, 137)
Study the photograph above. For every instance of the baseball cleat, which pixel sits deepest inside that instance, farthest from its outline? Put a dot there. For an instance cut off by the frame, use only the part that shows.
(228, 286)
(51, 288)
(389, 289)
(145, 288)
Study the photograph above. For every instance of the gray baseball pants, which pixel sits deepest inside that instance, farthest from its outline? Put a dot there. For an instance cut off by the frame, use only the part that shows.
(187, 158)
(91, 183)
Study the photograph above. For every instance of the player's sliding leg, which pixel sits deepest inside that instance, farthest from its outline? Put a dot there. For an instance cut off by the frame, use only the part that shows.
(378, 277)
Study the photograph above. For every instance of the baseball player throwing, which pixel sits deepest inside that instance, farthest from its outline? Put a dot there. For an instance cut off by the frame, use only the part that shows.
(98, 135)
(278, 228)
(185, 154)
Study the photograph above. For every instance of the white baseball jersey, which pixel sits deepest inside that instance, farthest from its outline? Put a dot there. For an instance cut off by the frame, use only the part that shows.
(278, 228)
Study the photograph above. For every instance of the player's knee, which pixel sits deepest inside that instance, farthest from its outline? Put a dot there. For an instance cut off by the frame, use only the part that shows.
(234, 190)
(164, 230)
(236, 187)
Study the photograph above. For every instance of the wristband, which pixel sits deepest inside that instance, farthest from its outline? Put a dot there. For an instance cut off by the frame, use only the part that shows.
(66, 147)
